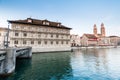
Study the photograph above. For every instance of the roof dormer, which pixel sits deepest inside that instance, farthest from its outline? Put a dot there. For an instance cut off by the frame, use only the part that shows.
(59, 24)
(45, 22)
(29, 20)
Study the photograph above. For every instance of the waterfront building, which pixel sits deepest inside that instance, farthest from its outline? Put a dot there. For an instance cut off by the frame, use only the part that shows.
(95, 38)
(114, 40)
(75, 40)
(41, 35)
(3, 34)
(104, 41)
(89, 40)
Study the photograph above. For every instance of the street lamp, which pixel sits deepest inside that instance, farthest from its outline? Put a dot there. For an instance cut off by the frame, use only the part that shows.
(7, 42)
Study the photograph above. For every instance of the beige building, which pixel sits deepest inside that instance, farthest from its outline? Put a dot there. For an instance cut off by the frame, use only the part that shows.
(3, 34)
(42, 35)
(89, 40)
(114, 40)
(96, 38)
(75, 40)
(104, 41)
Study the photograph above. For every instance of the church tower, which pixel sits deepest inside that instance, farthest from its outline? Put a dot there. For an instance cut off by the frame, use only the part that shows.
(95, 30)
(102, 30)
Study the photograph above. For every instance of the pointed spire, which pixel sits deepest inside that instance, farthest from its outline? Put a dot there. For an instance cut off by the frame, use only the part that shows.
(95, 30)
(102, 25)
(95, 26)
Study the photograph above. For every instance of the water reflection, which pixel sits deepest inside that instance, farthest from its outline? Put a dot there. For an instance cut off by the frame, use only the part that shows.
(84, 64)
(45, 66)
(95, 64)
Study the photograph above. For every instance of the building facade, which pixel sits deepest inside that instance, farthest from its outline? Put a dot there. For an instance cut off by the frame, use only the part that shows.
(89, 40)
(75, 40)
(3, 36)
(96, 38)
(102, 30)
(42, 35)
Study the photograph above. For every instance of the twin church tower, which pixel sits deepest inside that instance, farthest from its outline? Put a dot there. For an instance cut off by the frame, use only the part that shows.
(95, 32)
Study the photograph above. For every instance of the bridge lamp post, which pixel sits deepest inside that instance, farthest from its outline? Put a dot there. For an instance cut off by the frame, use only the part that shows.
(7, 42)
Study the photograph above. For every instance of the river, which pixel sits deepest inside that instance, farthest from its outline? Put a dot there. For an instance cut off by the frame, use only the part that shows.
(85, 64)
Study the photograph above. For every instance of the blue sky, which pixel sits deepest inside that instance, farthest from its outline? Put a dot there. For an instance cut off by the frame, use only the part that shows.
(80, 15)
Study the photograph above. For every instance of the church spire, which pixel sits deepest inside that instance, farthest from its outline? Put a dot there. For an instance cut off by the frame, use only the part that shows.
(102, 30)
(95, 30)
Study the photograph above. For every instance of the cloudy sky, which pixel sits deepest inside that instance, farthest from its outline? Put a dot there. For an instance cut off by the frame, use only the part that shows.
(80, 15)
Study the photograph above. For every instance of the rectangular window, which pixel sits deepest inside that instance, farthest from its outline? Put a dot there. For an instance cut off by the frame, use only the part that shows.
(66, 42)
(51, 35)
(16, 34)
(56, 42)
(45, 42)
(24, 42)
(39, 35)
(51, 42)
(62, 42)
(39, 42)
(32, 42)
(57, 36)
(25, 34)
(16, 42)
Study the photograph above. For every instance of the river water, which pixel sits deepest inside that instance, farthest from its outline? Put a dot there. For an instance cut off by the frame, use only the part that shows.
(87, 64)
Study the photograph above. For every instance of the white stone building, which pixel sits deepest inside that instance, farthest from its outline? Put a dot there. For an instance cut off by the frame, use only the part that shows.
(42, 35)
(75, 40)
(3, 34)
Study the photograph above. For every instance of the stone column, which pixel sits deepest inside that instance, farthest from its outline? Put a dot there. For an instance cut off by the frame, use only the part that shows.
(10, 61)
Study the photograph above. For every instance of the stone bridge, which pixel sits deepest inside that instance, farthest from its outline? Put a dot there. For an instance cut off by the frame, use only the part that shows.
(8, 58)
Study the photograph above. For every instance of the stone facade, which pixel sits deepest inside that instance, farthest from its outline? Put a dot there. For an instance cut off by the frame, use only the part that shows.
(41, 35)
(102, 30)
(89, 40)
(75, 40)
(3, 33)
(95, 39)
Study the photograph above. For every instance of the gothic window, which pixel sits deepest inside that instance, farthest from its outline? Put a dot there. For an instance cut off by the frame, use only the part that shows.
(16, 42)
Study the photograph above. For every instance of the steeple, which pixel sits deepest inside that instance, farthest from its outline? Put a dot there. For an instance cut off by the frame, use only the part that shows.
(95, 30)
(102, 30)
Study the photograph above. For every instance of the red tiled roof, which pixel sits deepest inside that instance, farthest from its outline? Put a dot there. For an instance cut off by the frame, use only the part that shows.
(90, 36)
(39, 22)
(113, 36)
